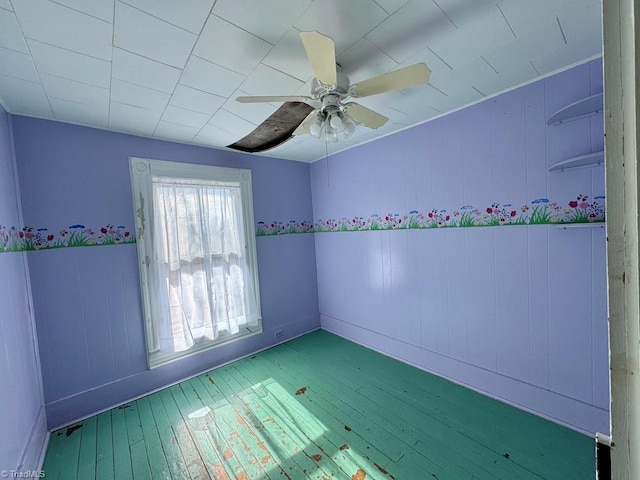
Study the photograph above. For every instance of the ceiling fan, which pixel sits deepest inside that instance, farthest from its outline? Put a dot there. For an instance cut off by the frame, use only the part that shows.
(328, 111)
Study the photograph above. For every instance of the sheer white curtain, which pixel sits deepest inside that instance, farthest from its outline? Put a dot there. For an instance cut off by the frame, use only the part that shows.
(206, 288)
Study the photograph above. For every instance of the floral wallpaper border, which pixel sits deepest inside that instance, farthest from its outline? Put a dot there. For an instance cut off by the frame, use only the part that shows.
(541, 211)
(13, 239)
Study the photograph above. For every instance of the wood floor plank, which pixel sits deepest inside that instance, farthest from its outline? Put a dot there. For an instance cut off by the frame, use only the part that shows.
(122, 467)
(137, 445)
(173, 454)
(216, 440)
(194, 462)
(104, 452)
(200, 434)
(155, 451)
(88, 449)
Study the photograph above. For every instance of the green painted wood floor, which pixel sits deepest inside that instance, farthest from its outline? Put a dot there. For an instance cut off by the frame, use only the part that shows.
(318, 407)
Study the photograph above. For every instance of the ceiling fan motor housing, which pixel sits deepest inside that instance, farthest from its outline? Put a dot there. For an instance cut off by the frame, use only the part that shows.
(319, 90)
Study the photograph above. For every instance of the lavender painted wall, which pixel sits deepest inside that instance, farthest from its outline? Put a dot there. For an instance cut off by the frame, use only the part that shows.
(518, 312)
(22, 416)
(87, 300)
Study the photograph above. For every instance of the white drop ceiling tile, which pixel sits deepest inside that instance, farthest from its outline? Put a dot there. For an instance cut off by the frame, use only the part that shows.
(142, 71)
(137, 96)
(212, 135)
(75, 91)
(479, 74)
(74, 66)
(456, 99)
(232, 123)
(255, 113)
(29, 107)
(588, 18)
(175, 131)
(196, 100)
(141, 33)
(288, 56)
(526, 16)
(102, 9)
(6, 4)
(462, 77)
(187, 14)
(581, 49)
(416, 100)
(209, 77)
(186, 117)
(546, 38)
(229, 46)
(79, 113)
(485, 33)
(17, 64)
(64, 27)
(126, 118)
(267, 81)
(433, 62)
(390, 6)
(24, 98)
(364, 60)
(268, 19)
(345, 22)
(410, 29)
(463, 11)
(10, 33)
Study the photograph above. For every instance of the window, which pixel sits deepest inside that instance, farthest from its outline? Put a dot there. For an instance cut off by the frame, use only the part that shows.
(197, 253)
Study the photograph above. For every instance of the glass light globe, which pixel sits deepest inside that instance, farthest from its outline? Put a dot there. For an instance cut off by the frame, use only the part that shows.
(315, 130)
(336, 122)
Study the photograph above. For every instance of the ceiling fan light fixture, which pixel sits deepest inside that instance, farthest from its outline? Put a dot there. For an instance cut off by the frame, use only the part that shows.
(335, 121)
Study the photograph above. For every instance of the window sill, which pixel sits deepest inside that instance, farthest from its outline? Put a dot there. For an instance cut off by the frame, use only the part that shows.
(159, 359)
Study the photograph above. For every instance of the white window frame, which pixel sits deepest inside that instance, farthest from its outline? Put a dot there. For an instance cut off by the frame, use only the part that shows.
(143, 170)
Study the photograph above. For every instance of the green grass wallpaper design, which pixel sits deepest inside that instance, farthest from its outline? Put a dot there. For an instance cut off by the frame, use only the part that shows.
(14, 239)
(541, 211)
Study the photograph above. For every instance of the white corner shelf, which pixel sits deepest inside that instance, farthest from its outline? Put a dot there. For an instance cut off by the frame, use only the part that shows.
(566, 226)
(589, 160)
(582, 108)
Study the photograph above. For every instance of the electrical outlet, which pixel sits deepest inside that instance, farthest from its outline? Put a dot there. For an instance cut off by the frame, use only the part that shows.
(278, 333)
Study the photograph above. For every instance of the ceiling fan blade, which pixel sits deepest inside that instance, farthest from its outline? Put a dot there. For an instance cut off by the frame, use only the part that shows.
(273, 99)
(321, 51)
(304, 127)
(275, 130)
(404, 78)
(366, 116)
